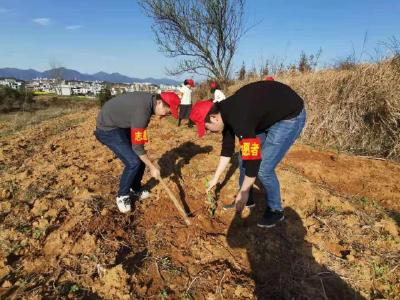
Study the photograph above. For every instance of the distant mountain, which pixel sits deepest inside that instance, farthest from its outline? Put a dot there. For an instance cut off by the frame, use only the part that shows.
(114, 77)
(69, 74)
(19, 74)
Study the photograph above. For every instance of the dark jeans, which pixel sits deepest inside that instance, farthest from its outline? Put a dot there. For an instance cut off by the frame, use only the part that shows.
(184, 113)
(119, 141)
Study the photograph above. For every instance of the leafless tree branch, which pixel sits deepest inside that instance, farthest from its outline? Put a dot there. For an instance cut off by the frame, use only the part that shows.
(205, 33)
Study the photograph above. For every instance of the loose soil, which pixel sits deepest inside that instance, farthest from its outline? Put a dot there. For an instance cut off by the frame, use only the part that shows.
(61, 235)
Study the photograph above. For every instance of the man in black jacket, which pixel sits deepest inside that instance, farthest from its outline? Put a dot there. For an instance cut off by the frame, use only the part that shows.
(267, 117)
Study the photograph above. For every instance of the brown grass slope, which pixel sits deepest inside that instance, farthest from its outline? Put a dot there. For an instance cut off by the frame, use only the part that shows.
(356, 110)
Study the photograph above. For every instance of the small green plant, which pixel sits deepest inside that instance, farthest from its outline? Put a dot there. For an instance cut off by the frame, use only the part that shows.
(164, 293)
(16, 247)
(330, 209)
(185, 296)
(74, 288)
(32, 193)
(379, 270)
(67, 288)
(211, 201)
(364, 201)
(24, 228)
(166, 264)
(10, 189)
(93, 257)
(37, 233)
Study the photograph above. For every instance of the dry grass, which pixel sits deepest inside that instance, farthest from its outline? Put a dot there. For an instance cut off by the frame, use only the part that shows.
(355, 110)
(47, 108)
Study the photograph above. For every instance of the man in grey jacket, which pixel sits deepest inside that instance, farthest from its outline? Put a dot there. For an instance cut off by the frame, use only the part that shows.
(122, 126)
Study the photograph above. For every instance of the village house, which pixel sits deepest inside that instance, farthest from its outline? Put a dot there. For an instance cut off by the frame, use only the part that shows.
(11, 82)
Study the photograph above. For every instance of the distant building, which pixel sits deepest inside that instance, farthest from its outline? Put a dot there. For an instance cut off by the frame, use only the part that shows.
(119, 88)
(90, 88)
(11, 82)
(165, 87)
(64, 90)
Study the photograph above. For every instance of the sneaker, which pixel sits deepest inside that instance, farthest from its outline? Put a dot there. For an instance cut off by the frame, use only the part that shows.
(250, 204)
(271, 218)
(124, 203)
(141, 195)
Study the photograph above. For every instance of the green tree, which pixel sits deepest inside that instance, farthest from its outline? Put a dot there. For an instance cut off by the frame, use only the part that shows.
(104, 96)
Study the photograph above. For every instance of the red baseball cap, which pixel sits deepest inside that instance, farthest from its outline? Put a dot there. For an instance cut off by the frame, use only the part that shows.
(198, 114)
(269, 78)
(190, 82)
(214, 85)
(173, 101)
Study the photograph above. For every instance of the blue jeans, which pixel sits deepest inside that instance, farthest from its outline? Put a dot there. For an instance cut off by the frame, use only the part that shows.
(119, 141)
(275, 142)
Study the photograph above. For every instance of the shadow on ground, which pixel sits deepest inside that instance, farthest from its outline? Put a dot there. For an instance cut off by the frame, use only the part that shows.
(281, 261)
(171, 164)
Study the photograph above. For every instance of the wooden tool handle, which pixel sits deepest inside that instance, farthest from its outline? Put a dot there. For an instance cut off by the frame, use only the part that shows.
(175, 201)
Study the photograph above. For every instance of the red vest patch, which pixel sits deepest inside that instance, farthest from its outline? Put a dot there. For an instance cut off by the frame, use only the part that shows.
(251, 149)
(139, 136)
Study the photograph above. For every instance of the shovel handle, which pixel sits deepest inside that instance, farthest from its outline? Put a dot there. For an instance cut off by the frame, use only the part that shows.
(175, 201)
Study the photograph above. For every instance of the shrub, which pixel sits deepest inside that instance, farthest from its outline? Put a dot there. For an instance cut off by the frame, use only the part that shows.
(104, 96)
(11, 99)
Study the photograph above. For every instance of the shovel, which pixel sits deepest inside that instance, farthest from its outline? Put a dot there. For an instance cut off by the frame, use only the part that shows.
(175, 201)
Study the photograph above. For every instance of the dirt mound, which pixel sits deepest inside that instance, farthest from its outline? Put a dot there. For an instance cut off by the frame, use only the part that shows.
(62, 236)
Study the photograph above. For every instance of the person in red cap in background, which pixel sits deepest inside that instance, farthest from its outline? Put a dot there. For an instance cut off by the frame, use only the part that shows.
(185, 93)
(267, 117)
(269, 78)
(122, 126)
(217, 93)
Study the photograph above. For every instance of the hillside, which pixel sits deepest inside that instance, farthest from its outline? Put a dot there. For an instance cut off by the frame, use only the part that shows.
(356, 110)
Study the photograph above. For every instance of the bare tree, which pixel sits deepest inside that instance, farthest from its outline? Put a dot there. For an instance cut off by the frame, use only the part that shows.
(308, 63)
(205, 33)
(242, 72)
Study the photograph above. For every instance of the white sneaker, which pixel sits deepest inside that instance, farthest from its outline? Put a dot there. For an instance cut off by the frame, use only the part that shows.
(124, 203)
(141, 195)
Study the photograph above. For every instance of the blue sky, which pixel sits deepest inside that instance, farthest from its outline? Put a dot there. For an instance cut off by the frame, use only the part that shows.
(115, 36)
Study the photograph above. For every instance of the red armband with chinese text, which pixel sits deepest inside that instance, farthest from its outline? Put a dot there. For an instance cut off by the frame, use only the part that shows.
(251, 149)
(139, 136)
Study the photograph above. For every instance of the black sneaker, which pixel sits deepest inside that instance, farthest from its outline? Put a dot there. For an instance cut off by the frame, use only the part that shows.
(141, 195)
(250, 204)
(271, 218)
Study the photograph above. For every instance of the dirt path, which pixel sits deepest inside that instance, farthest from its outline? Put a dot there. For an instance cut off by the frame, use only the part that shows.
(61, 234)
